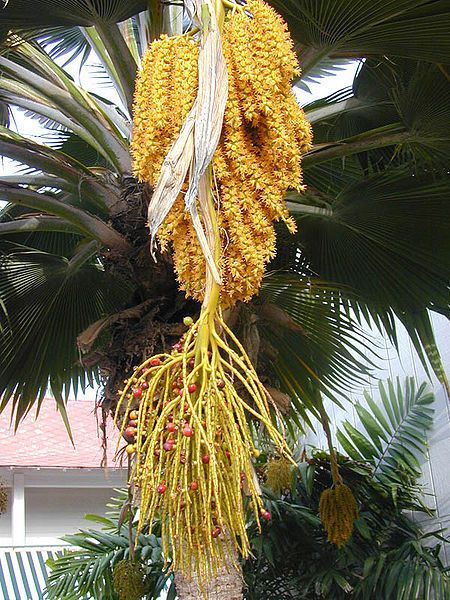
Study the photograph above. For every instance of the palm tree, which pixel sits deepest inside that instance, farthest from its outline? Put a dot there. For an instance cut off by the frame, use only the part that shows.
(81, 298)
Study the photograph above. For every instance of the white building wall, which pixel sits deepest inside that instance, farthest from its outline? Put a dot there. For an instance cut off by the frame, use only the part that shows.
(45, 504)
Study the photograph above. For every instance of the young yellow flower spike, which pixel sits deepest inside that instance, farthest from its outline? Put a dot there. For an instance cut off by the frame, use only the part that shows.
(338, 511)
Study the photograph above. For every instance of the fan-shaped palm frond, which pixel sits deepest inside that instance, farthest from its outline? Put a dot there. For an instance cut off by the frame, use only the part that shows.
(316, 343)
(38, 346)
(395, 436)
(385, 238)
(41, 13)
(408, 28)
(390, 96)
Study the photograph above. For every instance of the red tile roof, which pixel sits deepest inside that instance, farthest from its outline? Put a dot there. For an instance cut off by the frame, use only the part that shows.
(44, 442)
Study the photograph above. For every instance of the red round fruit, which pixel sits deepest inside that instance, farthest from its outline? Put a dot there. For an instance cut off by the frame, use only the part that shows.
(170, 418)
(220, 384)
(188, 431)
(180, 393)
(191, 363)
(161, 488)
(133, 415)
(155, 362)
(228, 454)
(156, 452)
(130, 431)
(205, 459)
(192, 388)
(178, 347)
(171, 427)
(266, 515)
(216, 532)
(137, 392)
(168, 446)
(194, 486)
(144, 385)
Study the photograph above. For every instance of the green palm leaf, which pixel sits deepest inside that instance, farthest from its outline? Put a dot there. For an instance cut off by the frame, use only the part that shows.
(395, 434)
(87, 571)
(316, 343)
(22, 13)
(385, 239)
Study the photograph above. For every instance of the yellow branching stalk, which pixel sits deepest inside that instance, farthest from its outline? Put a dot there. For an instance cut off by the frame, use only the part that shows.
(193, 445)
(338, 511)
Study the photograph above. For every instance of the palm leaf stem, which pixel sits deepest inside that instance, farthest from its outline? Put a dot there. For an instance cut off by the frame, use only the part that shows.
(85, 252)
(93, 38)
(87, 223)
(121, 57)
(77, 179)
(327, 429)
(24, 97)
(38, 223)
(333, 109)
(111, 147)
(354, 145)
(309, 57)
(306, 209)
(38, 181)
(155, 18)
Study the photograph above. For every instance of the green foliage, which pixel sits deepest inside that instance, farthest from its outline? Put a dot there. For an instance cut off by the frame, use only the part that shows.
(90, 571)
(39, 346)
(315, 342)
(389, 555)
(394, 437)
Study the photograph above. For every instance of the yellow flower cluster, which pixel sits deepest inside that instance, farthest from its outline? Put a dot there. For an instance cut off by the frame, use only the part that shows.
(258, 158)
(166, 88)
(279, 474)
(338, 511)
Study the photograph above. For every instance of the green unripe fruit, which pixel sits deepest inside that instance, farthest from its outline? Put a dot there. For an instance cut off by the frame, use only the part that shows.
(128, 578)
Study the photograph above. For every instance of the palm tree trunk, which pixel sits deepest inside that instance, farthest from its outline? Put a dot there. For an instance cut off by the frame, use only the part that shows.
(228, 585)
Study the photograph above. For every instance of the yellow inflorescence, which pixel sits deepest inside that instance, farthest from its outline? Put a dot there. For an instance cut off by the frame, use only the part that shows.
(279, 474)
(166, 88)
(258, 158)
(190, 437)
(193, 445)
(338, 511)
